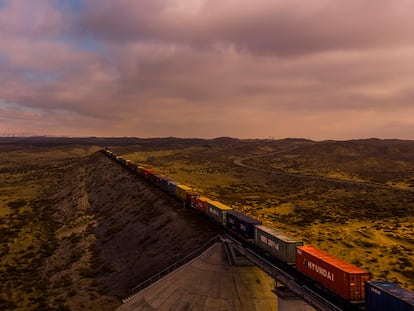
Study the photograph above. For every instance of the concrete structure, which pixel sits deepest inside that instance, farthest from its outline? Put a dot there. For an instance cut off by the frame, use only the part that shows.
(208, 283)
(289, 301)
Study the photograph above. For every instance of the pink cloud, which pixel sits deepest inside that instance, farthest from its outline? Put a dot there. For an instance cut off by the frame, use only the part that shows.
(327, 69)
(279, 27)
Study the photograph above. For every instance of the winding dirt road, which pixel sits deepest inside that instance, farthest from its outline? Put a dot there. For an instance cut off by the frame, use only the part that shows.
(239, 162)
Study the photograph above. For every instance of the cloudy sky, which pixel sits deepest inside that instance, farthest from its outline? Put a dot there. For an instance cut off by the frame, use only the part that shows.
(320, 69)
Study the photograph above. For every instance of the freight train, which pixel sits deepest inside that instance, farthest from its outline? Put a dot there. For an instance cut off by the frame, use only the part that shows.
(331, 273)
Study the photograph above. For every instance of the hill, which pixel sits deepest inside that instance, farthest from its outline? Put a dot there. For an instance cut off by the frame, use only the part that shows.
(79, 231)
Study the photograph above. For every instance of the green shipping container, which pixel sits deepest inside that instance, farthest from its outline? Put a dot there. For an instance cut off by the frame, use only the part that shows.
(278, 244)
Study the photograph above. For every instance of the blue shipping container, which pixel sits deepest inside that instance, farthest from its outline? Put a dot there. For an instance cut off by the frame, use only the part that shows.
(164, 183)
(241, 224)
(386, 296)
(172, 185)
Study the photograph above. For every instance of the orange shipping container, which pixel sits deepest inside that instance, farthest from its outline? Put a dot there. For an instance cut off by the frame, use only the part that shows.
(339, 276)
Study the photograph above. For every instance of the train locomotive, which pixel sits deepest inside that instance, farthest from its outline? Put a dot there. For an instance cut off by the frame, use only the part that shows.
(333, 274)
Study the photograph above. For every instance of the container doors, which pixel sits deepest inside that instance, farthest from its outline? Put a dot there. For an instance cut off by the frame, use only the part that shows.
(356, 286)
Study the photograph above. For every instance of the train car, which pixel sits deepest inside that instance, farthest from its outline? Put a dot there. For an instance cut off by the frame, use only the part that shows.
(217, 211)
(386, 296)
(241, 225)
(152, 176)
(172, 186)
(277, 244)
(131, 166)
(181, 191)
(191, 199)
(139, 170)
(201, 204)
(337, 275)
(168, 185)
(156, 179)
(147, 172)
(164, 183)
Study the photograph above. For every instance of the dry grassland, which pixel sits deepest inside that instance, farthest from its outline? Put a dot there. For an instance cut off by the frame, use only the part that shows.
(47, 230)
(77, 230)
(369, 222)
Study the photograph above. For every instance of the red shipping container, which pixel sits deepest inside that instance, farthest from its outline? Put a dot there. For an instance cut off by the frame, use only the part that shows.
(201, 204)
(148, 172)
(191, 199)
(339, 276)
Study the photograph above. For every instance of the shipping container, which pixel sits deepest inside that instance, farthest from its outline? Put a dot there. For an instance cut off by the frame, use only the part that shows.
(147, 172)
(277, 244)
(140, 170)
(164, 183)
(339, 276)
(201, 204)
(386, 296)
(151, 175)
(172, 186)
(217, 211)
(241, 224)
(157, 179)
(181, 191)
(191, 199)
(131, 166)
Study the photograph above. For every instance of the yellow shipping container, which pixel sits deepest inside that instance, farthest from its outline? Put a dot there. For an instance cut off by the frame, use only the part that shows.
(217, 211)
(181, 191)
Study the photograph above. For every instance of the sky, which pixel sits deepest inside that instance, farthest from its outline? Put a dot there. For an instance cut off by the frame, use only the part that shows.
(320, 69)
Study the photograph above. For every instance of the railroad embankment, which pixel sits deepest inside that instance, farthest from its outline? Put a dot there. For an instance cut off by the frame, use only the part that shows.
(80, 230)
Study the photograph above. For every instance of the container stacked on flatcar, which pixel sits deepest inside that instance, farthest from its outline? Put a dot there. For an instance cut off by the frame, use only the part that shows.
(146, 172)
(277, 244)
(157, 179)
(217, 211)
(164, 183)
(241, 225)
(186, 195)
(386, 296)
(172, 187)
(191, 199)
(201, 204)
(181, 191)
(339, 276)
